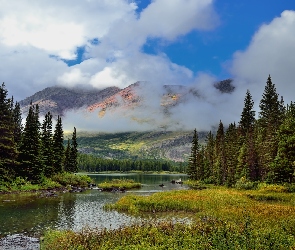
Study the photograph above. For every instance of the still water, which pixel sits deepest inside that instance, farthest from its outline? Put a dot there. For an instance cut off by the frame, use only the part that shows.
(30, 214)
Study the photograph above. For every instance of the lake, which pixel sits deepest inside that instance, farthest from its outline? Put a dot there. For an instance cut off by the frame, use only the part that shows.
(27, 216)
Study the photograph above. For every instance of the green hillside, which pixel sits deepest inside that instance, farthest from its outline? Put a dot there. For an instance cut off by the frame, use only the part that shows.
(172, 145)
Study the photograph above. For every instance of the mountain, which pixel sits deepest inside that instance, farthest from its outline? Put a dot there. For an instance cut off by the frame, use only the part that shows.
(59, 100)
(141, 103)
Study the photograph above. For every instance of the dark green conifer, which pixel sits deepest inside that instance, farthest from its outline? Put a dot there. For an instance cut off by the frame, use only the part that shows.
(58, 147)
(248, 115)
(192, 161)
(47, 145)
(30, 149)
(8, 151)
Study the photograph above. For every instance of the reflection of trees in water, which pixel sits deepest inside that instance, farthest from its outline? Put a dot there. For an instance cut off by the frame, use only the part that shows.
(27, 213)
(67, 210)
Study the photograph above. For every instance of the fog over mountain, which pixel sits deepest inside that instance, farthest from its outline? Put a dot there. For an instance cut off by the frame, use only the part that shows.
(141, 106)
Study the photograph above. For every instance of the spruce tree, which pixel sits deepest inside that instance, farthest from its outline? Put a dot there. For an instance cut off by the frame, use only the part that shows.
(192, 161)
(30, 149)
(71, 163)
(209, 157)
(8, 151)
(67, 161)
(58, 147)
(219, 155)
(270, 118)
(47, 145)
(270, 107)
(18, 127)
(248, 114)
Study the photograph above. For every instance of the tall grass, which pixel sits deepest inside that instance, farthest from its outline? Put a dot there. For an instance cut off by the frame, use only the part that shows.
(119, 183)
(221, 219)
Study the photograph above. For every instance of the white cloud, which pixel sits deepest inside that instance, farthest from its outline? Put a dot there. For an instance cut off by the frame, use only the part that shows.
(271, 51)
(169, 19)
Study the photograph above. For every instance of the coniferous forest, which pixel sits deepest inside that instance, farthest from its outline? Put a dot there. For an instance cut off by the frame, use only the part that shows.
(35, 150)
(253, 150)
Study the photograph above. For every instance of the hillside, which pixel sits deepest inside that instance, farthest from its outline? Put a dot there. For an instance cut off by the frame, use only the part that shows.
(148, 145)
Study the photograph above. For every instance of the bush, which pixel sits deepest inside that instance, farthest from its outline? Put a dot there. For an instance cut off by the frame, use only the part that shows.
(244, 184)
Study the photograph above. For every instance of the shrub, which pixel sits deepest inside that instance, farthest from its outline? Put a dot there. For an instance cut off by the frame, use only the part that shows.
(244, 184)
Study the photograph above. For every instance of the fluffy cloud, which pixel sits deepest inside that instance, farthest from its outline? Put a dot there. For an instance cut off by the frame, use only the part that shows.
(36, 36)
(271, 51)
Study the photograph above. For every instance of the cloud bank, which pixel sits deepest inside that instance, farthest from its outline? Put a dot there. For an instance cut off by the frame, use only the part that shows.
(38, 38)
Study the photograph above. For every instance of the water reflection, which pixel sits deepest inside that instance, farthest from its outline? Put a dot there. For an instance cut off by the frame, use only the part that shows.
(31, 214)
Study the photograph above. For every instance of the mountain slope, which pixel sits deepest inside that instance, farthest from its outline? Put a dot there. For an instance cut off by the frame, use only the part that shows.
(171, 145)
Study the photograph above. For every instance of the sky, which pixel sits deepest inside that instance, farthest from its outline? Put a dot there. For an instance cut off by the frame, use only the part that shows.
(101, 43)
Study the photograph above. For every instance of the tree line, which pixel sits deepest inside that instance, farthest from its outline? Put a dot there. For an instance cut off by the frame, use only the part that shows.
(91, 163)
(34, 150)
(261, 149)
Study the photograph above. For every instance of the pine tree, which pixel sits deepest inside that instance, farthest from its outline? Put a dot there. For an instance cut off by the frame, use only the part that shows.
(219, 155)
(47, 145)
(30, 149)
(248, 114)
(192, 162)
(72, 165)
(270, 118)
(8, 151)
(18, 127)
(209, 157)
(283, 167)
(270, 107)
(67, 161)
(58, 147)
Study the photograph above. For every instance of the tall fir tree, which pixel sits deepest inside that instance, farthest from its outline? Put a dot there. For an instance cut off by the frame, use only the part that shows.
(8, 151)
(219, 169)
(283, 167)
(30, 149)
(18, 127)
(67, 161)
(209, 157)
(270, 118)
(58, 147)
(192, 161)
(47, 145)
(73, 165)
(248, 115)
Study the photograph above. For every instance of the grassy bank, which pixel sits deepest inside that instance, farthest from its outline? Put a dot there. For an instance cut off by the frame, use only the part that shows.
(222, 219)
(119, 184)
(57, 181)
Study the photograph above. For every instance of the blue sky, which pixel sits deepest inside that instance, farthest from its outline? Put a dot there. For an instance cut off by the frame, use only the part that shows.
(102, 43)
(209, 51)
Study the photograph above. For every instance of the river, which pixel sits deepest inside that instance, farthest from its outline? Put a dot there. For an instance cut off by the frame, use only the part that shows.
(24, 217)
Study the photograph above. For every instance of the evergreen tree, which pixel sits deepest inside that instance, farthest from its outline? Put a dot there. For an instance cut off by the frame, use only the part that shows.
(248, 115)
(270, 118)
(192, 162)
(58, 147)
(283, 167)
(30, 149)
(18, 127)
(47, 145)
(72, 166)
(219, 155)
(270, 107)
(231, 152)
(8, 151)
(67, 161)
(209, 157)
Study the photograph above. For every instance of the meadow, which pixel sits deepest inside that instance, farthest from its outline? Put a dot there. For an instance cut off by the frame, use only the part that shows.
(221, 218)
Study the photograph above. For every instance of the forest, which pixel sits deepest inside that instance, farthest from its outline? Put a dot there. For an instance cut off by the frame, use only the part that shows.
(91, 163)
(33, 151)
(254, 150)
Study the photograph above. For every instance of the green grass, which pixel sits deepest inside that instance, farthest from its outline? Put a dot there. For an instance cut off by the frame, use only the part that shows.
(56, 181)
(119, 183)
(222, 218)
